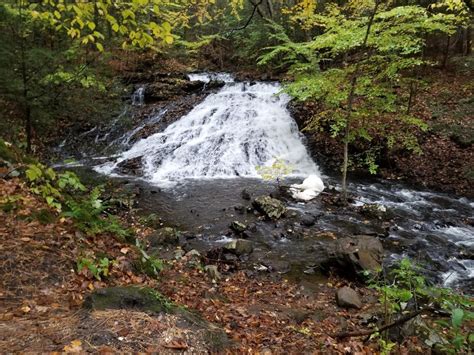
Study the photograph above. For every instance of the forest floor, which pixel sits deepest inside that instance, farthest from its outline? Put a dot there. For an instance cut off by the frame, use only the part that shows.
(42, 297)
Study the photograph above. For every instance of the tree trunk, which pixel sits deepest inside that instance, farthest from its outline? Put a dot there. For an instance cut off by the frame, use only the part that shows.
(24, 79)
(468, 41)
(350, 104)
(446, 52)
(411, 98)
(270, 9)
(28, 128)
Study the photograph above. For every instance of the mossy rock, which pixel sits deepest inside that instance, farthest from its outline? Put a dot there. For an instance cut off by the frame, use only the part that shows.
(148, 300)
(143, 299)
(271, 207)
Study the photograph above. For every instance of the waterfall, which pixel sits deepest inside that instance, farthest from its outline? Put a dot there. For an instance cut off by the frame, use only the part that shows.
(229, 134)
(138, 97)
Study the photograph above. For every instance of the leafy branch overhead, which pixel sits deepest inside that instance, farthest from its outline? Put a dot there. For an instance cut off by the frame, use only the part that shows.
(137, 23)
(358, 65)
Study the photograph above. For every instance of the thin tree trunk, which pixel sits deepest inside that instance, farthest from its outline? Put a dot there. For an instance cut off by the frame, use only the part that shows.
(411, 98)
(468, 41)
(270, 9)
(446, 52)
(24, 77)
(350, 104)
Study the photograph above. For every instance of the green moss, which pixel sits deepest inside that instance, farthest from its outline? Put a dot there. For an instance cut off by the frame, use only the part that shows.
(140, 298)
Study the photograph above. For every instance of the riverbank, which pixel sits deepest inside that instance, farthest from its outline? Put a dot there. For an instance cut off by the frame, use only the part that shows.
(45, 297)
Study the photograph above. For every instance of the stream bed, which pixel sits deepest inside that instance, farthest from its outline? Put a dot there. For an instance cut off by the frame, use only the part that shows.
(192, 175)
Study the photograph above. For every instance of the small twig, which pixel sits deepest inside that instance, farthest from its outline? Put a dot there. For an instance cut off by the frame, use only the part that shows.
(12, 170)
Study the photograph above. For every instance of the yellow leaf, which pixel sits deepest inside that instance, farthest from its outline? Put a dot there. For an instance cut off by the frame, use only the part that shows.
(74, 347)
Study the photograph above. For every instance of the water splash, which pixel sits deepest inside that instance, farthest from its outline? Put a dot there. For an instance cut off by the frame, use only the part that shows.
(138, 97)
(207, 77)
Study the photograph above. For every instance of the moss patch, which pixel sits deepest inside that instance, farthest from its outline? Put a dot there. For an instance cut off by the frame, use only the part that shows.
(143, 299)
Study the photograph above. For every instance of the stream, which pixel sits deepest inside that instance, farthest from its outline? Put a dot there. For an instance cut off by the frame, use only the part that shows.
(193, 172)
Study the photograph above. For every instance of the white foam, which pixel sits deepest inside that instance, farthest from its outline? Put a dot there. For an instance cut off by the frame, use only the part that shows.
(227, 135)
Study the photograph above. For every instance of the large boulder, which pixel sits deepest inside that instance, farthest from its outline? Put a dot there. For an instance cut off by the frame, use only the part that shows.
(271, 207)
(357, 254)
(346, 297)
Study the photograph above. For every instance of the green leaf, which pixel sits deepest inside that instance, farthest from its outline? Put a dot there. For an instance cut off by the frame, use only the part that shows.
(33, 172)
(457, 316)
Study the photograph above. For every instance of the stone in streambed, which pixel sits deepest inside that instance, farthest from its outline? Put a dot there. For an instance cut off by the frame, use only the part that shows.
(308, 220)
(356, 254)
(133, 166)
(238, 227)
(271, 207)
(239, 247)
(245, 195)
(346, 297)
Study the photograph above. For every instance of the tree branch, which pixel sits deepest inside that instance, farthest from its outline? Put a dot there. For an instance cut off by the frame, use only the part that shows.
(255, 6)
(399, 321)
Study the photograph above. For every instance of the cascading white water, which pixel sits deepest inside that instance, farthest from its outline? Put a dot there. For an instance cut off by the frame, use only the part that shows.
(138, 97)
(229, 134)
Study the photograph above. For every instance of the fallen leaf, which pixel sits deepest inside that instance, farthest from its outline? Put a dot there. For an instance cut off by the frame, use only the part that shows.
(177, 345)
(74, 347)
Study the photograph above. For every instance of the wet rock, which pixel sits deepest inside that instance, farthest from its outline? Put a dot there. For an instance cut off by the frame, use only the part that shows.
(271, 207)
(245, 195)
(355, 254)
(375, 211)
(213, 272)
(240, 208)
(143, 299)
(167, 88)
(238, 227)
(214, 84)
(346, 297)
(164, 236)
(239, 247)
(308, 220)
(131, 166)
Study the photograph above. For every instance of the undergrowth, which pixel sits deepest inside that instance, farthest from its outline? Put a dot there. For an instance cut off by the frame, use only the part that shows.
(404, 289)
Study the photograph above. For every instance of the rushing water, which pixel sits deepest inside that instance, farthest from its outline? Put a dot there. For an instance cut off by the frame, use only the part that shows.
(229, 134)
(209, 155)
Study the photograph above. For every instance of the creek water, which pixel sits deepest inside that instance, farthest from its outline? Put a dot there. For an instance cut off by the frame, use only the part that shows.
(193, 172)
